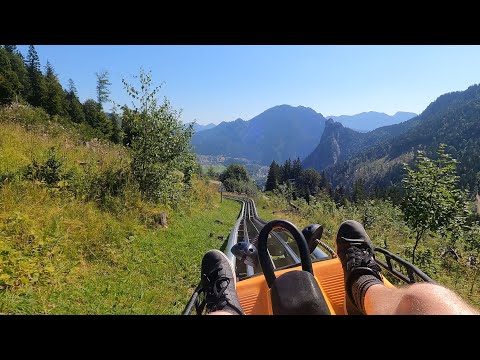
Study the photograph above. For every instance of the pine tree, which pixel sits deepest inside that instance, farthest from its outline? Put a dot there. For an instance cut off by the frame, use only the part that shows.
(74, 107)
(273, 177)
(18, 66)
(117, 134)
(97, 118)
(72, 88)
(9, 83)
(339, 195)
(103, 91)
(296, 169)
(37, 81)
(12, 49)
(358, 190)
(33, 61)
(54, 101)
(287, 170)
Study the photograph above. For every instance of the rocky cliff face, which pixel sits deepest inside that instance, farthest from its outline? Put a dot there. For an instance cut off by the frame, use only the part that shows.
(336, 144)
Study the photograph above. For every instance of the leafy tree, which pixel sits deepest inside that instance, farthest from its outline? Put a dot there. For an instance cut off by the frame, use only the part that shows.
(273, 177)
(103, 91)
(160, 142)
(432, 200)
(37, 82)
(235, 178)
(235, 172)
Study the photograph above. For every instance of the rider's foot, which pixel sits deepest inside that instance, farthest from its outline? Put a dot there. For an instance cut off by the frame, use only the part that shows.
(355, 251)
(218, 281)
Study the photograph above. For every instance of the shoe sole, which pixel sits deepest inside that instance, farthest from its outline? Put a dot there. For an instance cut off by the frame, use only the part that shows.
(230, 263)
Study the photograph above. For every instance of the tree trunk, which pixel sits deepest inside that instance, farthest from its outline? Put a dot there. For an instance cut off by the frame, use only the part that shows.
(163, 219)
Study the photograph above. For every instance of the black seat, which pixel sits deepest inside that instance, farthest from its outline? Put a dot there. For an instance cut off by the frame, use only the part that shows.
(297, 293)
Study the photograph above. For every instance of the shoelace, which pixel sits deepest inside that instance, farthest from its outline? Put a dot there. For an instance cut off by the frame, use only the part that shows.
(215, 297)
(361, 257)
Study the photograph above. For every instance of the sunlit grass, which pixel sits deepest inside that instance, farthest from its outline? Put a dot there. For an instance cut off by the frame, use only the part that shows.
(61, 253)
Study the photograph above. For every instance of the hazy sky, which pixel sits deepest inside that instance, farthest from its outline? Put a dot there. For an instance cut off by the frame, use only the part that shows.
(222, 83)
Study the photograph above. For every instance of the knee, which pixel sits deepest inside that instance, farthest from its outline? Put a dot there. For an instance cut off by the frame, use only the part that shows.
(425, 298)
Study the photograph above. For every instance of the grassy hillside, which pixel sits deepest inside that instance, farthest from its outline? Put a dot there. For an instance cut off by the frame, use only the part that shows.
(76, 236)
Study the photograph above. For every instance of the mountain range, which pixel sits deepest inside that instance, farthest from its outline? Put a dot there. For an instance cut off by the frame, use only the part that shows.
(367, 121)
(453, 119)
(346, 155)
(340, 143)
(278, 133)
(198, 127)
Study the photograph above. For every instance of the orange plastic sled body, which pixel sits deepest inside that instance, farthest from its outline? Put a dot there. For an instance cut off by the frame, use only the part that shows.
(254, 293)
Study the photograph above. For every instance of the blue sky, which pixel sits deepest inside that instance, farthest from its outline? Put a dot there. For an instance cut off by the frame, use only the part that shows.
(222, 83)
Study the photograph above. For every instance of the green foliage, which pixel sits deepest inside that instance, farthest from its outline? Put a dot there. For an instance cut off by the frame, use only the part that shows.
(37, 93)
(54, 101)
(284, 190)
(105, 186)
(9, 82)
(432, 200)
(25, 256)
(273, 177)
(117, 133)
(162, 159)
(297, 181)
(235, 172)
(74, 107)
(50, 171)
(97, 119)
(358, 191)
(211, 173)
(235, 178)
(308, 183)
(451, 119)
(103, 91)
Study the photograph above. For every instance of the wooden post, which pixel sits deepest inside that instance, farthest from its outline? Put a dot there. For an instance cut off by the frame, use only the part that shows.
(163, 219)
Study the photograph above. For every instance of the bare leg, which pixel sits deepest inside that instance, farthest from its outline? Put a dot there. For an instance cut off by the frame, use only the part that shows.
(416, 299)
(220, 312)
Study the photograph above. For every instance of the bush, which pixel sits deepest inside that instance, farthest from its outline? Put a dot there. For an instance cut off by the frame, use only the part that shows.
(49, 172)
(160, 144)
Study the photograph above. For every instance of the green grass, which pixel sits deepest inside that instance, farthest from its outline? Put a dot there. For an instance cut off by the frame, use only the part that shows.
(63, 251)
(216, 168)
(154, 273)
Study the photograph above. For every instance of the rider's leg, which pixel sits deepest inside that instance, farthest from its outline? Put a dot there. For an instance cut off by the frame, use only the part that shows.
(365, 292)
(415, 299)
(218, 281)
